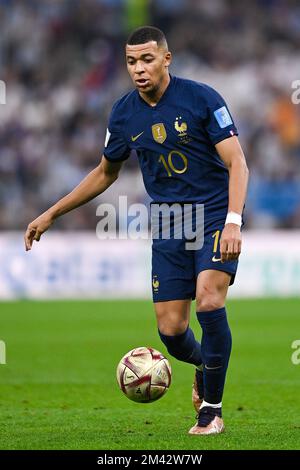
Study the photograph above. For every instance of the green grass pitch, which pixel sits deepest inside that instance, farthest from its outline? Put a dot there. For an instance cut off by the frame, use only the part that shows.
(58, 389)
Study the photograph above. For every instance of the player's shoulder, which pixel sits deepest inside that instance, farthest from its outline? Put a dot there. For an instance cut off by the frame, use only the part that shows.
(126, 103)
(198, 90)
(123, 108)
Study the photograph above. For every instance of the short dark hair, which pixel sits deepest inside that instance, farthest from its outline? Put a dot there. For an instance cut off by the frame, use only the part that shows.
(145, 34)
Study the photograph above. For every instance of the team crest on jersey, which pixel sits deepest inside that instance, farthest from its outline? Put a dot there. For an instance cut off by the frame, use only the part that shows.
(159, 132)
(155, 284)
(180, 126)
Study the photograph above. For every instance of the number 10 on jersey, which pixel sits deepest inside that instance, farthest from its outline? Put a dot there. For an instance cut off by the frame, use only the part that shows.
(176, 162)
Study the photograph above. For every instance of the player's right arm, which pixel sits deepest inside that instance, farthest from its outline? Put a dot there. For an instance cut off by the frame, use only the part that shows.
(95, 183)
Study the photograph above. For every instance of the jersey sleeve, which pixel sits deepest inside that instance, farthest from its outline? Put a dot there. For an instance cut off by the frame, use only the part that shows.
(115, 146)
(218, 121)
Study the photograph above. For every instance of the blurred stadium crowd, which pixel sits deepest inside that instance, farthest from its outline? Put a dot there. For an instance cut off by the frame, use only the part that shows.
(63, 65)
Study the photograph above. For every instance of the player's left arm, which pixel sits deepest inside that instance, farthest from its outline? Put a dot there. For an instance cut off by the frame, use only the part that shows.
(230, 151)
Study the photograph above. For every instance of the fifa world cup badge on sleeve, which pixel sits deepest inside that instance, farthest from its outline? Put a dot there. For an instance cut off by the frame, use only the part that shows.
(223, 117)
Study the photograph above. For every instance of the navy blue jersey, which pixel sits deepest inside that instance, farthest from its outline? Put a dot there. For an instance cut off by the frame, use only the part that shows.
(175, 143)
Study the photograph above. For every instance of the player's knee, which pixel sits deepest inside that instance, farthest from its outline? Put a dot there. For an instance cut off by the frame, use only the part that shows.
(172, 328)
(208, 300)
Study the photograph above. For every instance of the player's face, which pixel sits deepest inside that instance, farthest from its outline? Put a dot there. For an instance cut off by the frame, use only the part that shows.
(147, 65)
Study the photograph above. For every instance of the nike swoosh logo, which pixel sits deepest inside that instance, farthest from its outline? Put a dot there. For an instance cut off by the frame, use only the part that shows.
(214, 259)
(134, 138)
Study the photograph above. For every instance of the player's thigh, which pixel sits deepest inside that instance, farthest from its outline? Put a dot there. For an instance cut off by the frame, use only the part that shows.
(173, 316)
(211, 290)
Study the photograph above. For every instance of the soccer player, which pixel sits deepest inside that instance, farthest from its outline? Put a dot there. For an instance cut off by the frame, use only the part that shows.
(188, 151)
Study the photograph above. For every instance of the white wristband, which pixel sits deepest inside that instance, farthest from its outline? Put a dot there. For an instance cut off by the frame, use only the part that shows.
(233, 218)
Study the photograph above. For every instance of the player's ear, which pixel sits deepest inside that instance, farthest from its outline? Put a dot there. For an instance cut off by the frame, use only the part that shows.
(168, 58)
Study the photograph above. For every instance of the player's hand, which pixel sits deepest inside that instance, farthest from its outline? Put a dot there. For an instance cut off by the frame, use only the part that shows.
(36, 228)
(230, 243)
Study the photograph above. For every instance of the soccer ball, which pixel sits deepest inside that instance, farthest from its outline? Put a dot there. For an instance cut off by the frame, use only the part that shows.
(144, 375)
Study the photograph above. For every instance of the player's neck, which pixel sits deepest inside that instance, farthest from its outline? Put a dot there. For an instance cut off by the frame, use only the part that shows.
(154, 96)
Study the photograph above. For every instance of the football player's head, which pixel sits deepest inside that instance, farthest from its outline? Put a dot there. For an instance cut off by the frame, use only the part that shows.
(148, 58)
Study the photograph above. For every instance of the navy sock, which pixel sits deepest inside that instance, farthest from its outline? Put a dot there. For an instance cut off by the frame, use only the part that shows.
(215, 351)
(183, 347)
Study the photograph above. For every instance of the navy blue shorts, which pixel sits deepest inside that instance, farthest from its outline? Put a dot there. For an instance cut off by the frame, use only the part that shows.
(175, 269)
